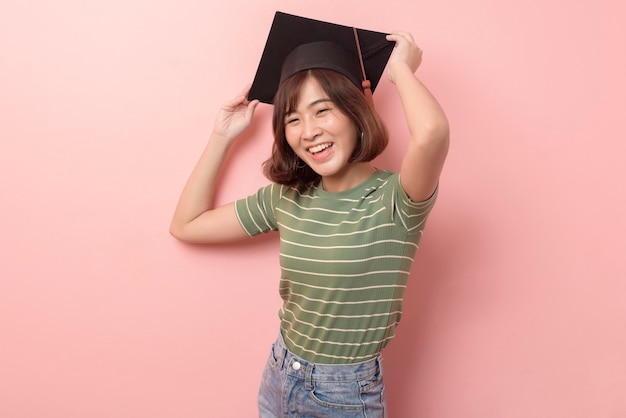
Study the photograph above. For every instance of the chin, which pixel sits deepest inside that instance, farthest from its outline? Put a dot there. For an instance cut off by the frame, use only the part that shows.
(327, 172)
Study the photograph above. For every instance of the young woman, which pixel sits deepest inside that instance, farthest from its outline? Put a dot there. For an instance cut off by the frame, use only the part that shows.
(348, 231)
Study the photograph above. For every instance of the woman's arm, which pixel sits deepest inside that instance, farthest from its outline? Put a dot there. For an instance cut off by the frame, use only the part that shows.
(195, 219)
(427, 123)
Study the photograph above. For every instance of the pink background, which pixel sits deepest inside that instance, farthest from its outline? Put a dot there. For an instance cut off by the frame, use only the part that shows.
(517, 305)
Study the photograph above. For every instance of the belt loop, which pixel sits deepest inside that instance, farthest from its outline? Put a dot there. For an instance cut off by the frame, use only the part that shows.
(308, 376)
(283, 356)
(280, 353)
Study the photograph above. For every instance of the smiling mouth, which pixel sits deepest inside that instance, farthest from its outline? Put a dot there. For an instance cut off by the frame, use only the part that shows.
(319, 148)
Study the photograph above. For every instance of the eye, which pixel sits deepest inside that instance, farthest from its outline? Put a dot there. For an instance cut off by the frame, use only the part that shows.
(291, 120)
(322, 111)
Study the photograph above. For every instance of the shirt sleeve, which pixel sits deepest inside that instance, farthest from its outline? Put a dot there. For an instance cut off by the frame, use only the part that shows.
(411, 214)
(256, 212)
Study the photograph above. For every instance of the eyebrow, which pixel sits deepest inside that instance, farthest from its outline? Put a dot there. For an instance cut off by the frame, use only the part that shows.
(318, 101)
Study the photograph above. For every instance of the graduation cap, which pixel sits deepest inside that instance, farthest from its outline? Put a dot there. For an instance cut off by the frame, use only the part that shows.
(297, 43)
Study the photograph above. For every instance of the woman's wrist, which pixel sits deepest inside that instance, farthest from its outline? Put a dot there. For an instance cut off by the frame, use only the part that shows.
(217, 138)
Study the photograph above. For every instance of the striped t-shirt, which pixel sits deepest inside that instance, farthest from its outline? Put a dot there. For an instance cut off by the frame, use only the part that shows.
(345, 259)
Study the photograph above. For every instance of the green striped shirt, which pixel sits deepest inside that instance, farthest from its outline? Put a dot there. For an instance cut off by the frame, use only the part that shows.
(345, 259)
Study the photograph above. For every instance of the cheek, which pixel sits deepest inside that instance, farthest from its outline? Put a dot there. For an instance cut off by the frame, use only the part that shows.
(291, 137)
(293, 142)
(352, 135)
(342, 126)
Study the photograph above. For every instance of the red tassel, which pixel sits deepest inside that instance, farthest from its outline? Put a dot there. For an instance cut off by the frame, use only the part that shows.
(367, 91)
(367, 86)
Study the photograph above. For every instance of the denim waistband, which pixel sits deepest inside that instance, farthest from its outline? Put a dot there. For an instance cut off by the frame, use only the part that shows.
(316, 372)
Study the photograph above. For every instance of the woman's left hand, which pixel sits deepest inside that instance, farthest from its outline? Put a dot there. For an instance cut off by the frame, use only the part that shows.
(405, 53)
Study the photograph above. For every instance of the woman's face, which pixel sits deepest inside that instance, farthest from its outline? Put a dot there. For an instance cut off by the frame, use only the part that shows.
(320, 133)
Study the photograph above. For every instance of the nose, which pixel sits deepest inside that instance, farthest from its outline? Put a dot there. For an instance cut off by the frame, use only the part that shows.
(310, 129)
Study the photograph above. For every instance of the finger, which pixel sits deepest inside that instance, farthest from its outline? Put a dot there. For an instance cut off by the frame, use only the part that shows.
(239, 99)
(243, 93)
(250, 109)
(400, 36)
(245, 90)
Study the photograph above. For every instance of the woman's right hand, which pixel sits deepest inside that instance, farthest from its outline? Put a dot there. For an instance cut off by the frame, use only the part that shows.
(234, 116)
(196, 219)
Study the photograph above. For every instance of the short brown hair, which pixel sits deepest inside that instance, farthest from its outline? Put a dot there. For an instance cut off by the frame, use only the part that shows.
(284, 166)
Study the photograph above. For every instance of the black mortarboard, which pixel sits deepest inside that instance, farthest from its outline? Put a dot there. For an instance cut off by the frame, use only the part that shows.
(297, 43)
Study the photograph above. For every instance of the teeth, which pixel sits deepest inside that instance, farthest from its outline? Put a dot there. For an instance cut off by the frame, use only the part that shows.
(318, 148)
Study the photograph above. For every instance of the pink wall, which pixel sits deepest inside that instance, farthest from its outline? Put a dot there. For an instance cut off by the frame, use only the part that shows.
(517, 305)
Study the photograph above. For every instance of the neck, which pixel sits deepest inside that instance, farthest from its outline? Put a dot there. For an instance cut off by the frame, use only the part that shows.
(355, 175)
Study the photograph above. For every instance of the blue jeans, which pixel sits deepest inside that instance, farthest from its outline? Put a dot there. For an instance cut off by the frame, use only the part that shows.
(292, 387)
